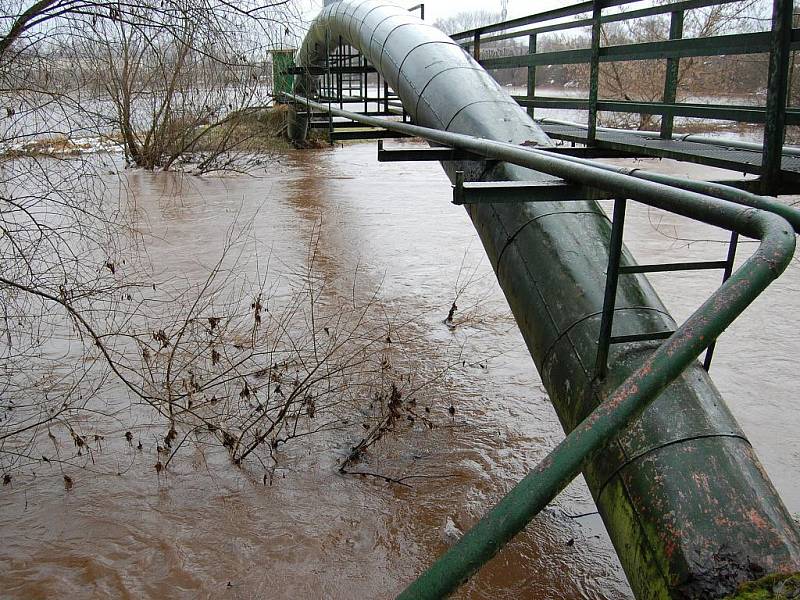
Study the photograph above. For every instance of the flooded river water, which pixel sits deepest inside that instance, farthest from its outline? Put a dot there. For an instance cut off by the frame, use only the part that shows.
(206, 529)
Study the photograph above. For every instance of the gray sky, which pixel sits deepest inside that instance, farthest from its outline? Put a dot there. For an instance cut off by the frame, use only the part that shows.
(437, 9)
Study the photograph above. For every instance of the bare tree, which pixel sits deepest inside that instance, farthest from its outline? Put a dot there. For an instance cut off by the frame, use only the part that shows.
(169, 80)
(92, 335)
(159, 78)
(463, 21)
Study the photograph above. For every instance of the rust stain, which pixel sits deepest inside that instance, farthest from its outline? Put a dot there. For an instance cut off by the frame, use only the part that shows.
(757, 520)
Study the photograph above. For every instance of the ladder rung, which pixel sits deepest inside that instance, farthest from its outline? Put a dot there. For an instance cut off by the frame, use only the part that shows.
(681, 266)
(640, 337)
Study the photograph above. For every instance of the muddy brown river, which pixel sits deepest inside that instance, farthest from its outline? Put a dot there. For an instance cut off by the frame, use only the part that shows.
(205, 528)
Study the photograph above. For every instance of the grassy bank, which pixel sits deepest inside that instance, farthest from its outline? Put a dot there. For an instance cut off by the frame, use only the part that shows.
(254, 131)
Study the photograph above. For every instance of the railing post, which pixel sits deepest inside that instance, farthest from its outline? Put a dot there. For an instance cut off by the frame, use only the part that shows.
(340, 74)
(329, 85)
(777, 91)
(729, 261)
(671, 75)
(594, 70)
(612, 278)
(364, 79)
(531, 91)
(476, 45)
(420, 8)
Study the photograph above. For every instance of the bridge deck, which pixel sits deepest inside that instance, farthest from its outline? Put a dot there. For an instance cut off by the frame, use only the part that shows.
(735, 159)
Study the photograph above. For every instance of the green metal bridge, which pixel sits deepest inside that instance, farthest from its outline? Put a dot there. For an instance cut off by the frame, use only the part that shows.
(643, 418)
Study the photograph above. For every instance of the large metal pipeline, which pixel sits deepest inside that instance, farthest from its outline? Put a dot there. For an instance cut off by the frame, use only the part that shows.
(687, 506)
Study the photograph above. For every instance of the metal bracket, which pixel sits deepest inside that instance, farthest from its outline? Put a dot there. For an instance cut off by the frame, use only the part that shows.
(590, 152)
(364, 134)
(424, 154)
(552, 190)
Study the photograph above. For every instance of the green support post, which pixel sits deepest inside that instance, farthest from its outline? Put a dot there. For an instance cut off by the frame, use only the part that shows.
(531, 91)
(612, 280)
(594, 69)
(777, 91)
(671, 76)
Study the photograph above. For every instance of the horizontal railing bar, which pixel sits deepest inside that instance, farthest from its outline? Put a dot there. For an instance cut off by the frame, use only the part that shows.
(640, 337)
(737, 44)
(621, 16)
(451, 154)
(335, 125)
(669, 267)
(556, 13)
(317, 70)
(740, 43)
(558, 57)
(348, 99)
(376, 113)
(733, 112)
(747, 114)
(682, 137)
(577, 24)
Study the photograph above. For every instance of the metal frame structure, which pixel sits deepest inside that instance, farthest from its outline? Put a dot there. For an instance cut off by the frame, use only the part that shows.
(778, 43)
(345, 81)
(643, 367)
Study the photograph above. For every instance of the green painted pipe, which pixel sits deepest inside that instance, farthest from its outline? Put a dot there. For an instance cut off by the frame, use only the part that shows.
(565, 462)
(663, 366)
(678, 532)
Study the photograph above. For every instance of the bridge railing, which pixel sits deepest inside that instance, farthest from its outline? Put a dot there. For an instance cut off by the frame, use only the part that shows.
(778, 42)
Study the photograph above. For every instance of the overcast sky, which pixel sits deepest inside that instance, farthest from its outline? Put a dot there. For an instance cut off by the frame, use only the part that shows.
(437, 9)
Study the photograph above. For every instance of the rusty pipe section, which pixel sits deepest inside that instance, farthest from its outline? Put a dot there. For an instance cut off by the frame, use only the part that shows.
(687, 505)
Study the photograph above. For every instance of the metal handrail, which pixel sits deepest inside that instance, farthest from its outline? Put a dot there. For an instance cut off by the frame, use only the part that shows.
(683, 137)
(621, 16)
(665, 364)
(778, 42)
(546, 161)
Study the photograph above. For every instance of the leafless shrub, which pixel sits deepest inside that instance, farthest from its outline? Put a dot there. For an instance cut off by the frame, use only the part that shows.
(168, 80)
(246, 366)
